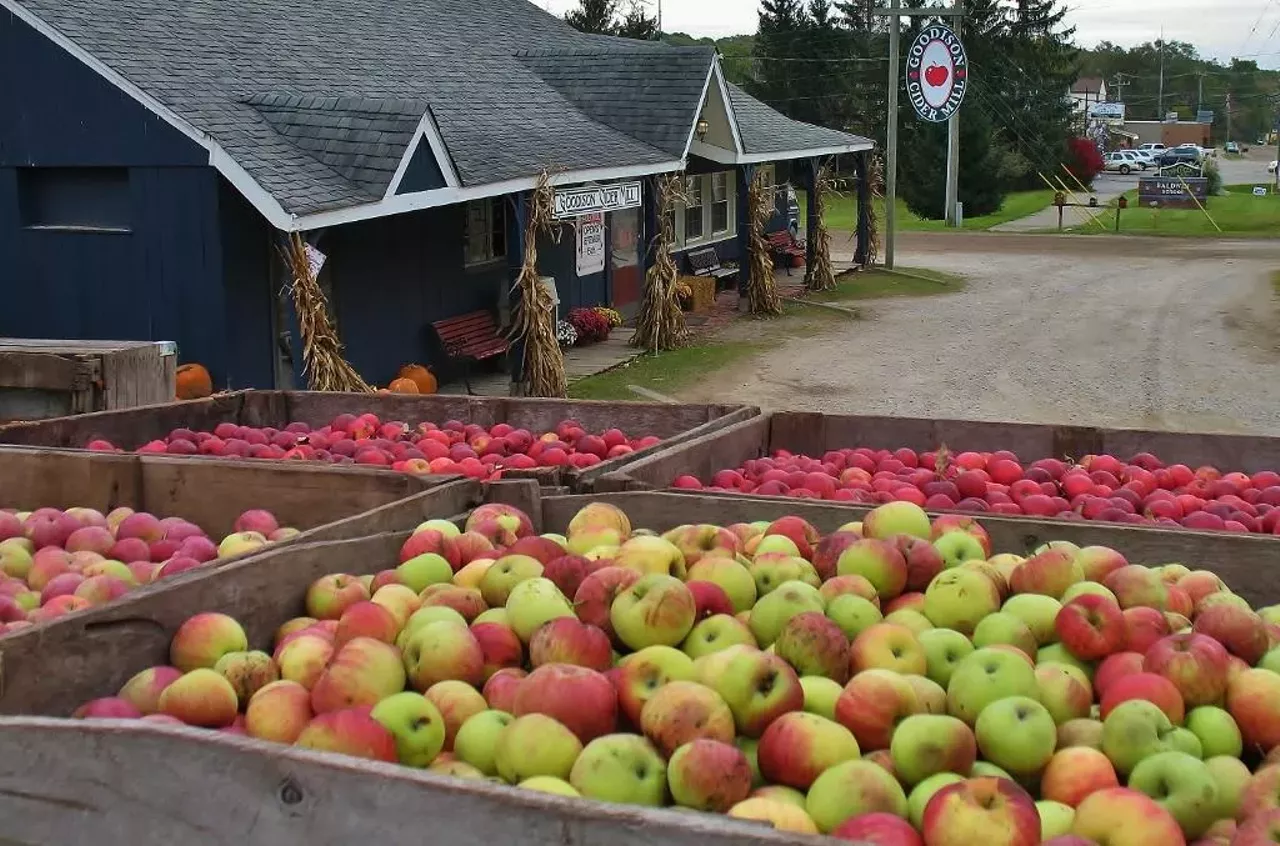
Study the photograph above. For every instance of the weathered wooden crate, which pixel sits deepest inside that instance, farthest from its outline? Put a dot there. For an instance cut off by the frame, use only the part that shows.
(813, 434)
(674, 424)
(52, 667)
(1248, 563)
(46, 378)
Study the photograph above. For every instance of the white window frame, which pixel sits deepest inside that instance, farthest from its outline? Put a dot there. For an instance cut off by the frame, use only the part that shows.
(707, 181)
(487, 206)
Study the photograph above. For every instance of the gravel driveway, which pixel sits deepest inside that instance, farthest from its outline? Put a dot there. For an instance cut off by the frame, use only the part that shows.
(1151, 333)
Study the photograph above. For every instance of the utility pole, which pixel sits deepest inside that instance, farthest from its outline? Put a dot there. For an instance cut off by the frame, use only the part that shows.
(896, 13)
(953, 143)
(1229, 117)
(1160, 99)
(1199, 92)
(1120, 83)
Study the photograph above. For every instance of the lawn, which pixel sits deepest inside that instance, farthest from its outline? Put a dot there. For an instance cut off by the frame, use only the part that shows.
(842, 212)
(1237, 213)
(874, 284)
(665, 372)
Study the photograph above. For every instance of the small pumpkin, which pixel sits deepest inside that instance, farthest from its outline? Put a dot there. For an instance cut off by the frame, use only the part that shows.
(193, 382)
(403, 386)
(421, 376)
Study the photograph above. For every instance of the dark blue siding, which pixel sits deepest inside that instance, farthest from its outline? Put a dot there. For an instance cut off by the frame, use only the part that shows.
(422, 174)
(247, 252)
(561, 261)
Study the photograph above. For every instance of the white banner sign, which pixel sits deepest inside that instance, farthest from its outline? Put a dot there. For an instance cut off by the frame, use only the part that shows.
(590, 244)
(572, 202)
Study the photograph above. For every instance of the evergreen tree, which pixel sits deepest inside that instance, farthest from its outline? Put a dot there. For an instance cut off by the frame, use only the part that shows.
(922, 172)
(778, 80)
(1039, 65)
(594, 16)
(637, 24)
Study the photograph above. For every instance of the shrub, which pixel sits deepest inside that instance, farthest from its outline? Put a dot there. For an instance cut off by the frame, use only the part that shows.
(1083, 159)
(611, 315)
(566, 334)
(590, 325)
(1214, 175)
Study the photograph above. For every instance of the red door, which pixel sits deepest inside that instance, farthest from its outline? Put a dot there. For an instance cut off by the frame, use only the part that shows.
(625, 258)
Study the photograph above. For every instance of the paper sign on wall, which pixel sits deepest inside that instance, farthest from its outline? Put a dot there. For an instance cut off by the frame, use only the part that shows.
(591, 247)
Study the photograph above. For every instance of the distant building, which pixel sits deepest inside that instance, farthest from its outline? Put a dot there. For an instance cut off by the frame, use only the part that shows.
(1169, 133)
(1087, 91)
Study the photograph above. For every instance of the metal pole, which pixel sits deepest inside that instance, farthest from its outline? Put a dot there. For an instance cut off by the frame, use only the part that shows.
(891, 138)
(953, 167)
(1160, 107)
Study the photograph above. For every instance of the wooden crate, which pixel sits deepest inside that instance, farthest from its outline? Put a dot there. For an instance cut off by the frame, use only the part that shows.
(41, 379)
(130, 429)
(813, 434)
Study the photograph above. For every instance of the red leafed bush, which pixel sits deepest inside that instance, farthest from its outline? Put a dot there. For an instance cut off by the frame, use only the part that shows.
(1083, 159)
(591, 325)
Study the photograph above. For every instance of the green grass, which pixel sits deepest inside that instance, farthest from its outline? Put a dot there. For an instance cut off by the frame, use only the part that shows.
(1237, 213)
(910, 282)
(665, 372)
(842, 213)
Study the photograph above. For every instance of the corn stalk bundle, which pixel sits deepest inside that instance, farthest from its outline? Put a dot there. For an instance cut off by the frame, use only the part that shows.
(874, 173)
(762, 294)
(535, 317)
(660, 321)
(820, 277)
(322, 361)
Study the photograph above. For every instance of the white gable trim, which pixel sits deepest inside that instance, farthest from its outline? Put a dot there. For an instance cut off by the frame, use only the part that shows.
(697, 112)
(266, 204)
(419, 200)
(812, 152)
(728, 106)
(427, 131)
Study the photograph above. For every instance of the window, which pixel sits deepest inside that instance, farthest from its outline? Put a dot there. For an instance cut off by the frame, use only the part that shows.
(486, 233)
(719, 203)
(86, 198)
(693, 208)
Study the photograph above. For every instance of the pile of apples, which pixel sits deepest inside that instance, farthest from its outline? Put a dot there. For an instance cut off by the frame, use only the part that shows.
(455, 447)
(53, 562)
(1098, 487)
(893, 682)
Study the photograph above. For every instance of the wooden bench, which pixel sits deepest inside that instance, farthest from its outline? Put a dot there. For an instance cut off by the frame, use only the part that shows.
(784, 247)
(706, 262)
(471, 337)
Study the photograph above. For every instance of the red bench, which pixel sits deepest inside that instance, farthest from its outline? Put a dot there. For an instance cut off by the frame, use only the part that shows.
(471, 337)
(785, 248)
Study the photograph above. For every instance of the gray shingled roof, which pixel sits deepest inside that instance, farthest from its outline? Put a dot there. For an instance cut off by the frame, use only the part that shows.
(764, 130)
(318, 99)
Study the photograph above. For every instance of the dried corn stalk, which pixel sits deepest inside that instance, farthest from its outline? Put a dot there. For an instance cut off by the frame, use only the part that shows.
(535, 317)
(322, 361)
(660, 321)
(819, 276)
(762, 294)
(874, 173)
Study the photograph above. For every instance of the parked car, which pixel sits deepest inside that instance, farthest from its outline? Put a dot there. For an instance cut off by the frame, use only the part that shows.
(1121, 163)
(1180, 155)
(1155, 149)
(1231, 147)
(1271, 168)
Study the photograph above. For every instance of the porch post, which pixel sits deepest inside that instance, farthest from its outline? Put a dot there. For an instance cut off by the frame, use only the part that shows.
(518, 210)
(746, 173)
(649, 232)
(862, 168)
(811, 214)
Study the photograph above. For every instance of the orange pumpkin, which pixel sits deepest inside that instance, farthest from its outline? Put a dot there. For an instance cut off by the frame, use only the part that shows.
(194, 382)
(403, 386)
(421, 376)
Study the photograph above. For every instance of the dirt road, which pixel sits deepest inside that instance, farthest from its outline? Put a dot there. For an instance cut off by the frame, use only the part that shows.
(1117, 331)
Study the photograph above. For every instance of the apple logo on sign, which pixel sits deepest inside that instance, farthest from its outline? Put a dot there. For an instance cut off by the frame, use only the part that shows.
(936, 75)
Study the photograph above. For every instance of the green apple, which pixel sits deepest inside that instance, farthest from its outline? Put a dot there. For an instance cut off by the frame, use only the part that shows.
(957, 547)
(534, 602)
(1231, 775)
(424, 617)
(911, 619)
(774, 609)
(769, 572)
(1217, 731)
(1135, 729)
(492, 615)
(731, 576)
(944, 649)
(750, 747)
(657, 610)
(415, 723)
(820, 695)
(1055, 818)
(504, 574)
(15, 561)
(717, 632)
(1065, 691)
(923, 792)
(1184, 740)
(925, 745)
(1081, 588)
(1182, 785)
(896, 518)
(423, 570)
(448, 528)
(1056, 653)
(776, 543)
(535, 745)
(621, 768)
(1080, 732)
(549, 784)
(1064, 546)
(555, 538)
(853, 614)
(780, 793)
(986, 768)
(985, 676)
(850, 789)
(1271, 661)
(477, 739)
(1018, 734)
(1003, 627)
(759, 687)
(1039, 613)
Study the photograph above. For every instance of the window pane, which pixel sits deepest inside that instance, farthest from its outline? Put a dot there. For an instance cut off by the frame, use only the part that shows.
(693, 223)
(719, 187)
(84, 197)
(720, 217)
(498, 229)
(693, 191)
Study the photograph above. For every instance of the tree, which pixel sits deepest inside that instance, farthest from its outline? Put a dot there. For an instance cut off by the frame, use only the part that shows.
(778, 78)
(635, 23)
(594, 16)
(923, 155)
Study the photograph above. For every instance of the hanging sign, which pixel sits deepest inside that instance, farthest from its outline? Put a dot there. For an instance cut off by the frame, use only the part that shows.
(590, 244)
(937, 73)
(571, 202)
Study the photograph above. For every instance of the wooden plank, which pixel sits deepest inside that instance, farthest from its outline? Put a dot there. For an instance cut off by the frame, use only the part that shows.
(55, 345)
(120, 783)
(699, 456)
(31, 479)
(128, 429)
(42, 371)
(137, 376)
(1248, 563)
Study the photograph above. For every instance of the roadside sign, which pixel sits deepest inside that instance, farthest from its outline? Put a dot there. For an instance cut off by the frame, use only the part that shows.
(1172, 192)
(937, 73)
(1259, 191)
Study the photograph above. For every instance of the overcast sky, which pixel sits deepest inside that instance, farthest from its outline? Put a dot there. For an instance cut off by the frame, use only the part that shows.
(1218, 28)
